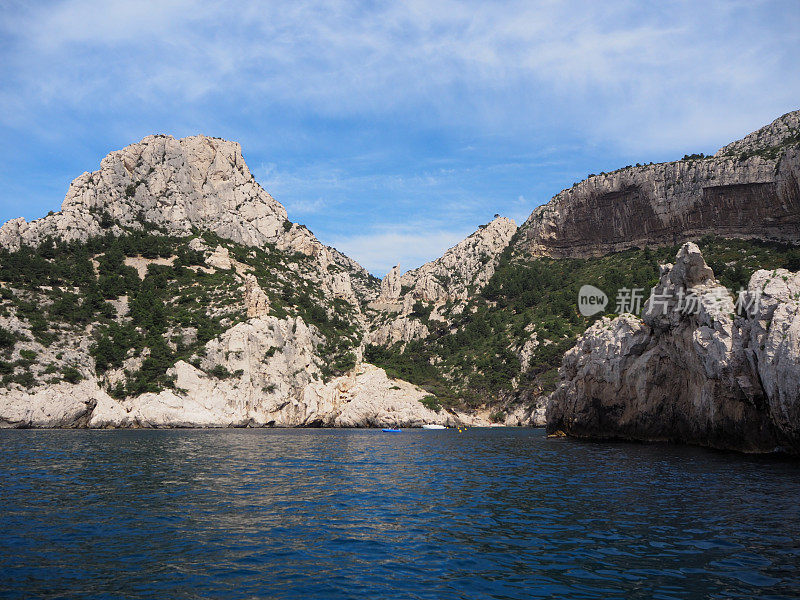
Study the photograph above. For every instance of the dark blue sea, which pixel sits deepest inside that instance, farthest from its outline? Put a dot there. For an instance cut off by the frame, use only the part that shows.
(302, 514)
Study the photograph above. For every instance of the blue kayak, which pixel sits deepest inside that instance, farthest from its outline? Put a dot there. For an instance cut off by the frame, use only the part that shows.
(391, 430)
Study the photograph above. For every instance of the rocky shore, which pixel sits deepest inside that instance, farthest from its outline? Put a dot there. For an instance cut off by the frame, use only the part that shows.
(706, 376)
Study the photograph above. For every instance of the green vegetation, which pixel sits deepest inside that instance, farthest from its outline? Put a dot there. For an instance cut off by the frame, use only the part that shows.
(220, 372)
(497, 416)
(59, 289)
(71, 375)
(772, 152)
(526, 296)
(7, 339)
(431, 402)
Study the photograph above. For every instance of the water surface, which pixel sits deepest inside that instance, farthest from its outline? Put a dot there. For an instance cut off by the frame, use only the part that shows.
(500, 513)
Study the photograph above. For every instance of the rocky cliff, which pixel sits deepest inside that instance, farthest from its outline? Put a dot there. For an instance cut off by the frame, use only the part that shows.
(262, 372)
(747, 189)
(692, 369)
(444, 285)
(182, 185)
(171, 290)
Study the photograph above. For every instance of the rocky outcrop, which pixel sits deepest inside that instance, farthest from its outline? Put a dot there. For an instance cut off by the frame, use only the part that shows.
(772, 346)
(465, 267)
(690, 370)
(528, 415)
(220, 259)
(782, 131)
(61, 405)
(391, 287)
(403, 328)
(179, 185)
(449, 280)
(748, 189)
(256, 300)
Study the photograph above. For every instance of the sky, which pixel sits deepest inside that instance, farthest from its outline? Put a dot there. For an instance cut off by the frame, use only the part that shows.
(391, 129)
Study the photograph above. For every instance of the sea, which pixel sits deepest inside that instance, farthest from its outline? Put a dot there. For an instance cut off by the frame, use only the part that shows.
(335, 513)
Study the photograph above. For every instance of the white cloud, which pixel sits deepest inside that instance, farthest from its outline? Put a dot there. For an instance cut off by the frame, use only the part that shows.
(305, 207)
(641, 76)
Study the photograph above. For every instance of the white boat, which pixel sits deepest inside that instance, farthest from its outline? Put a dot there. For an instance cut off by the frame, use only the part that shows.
(434, 427)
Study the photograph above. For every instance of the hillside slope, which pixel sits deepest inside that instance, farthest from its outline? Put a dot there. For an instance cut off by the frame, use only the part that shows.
(501, 345)
(171, 290)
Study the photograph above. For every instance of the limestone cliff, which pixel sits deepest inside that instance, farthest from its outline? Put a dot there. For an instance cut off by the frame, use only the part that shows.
(180, 185)
(264, 371)
(747, 189)
(466, 266)
(171, 290)
(691, 370)
(444, 285)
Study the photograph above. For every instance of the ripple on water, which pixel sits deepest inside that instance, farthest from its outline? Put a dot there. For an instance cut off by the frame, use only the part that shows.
(352, 514)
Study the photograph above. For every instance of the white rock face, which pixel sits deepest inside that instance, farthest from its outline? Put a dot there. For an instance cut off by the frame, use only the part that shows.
(270, 376)
(526, 351)
(391, 286)
(365, 397)
(368, 398)
(399, 329)
(471, 262)
(774, 134)
(220, 259)
(772, 339)
(709, 377)
(194, 182)
(528, 415)
(60, 405)
(452, 278)
(255, 299)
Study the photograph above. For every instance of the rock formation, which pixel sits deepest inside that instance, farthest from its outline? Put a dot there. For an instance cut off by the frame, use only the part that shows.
(747, 189)
(255, 300)
(391, 287)
(266, 371)
(263, 372)
(220, 259)
(467, 265)
(690, 370)
(289, 319)
(179, 185)
(449, 280)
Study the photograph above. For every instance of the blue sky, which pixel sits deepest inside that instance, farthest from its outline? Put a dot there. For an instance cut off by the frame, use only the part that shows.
(391, 129)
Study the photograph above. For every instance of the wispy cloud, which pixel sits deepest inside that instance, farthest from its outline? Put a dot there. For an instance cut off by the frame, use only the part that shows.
(305, 207)
(643, 76)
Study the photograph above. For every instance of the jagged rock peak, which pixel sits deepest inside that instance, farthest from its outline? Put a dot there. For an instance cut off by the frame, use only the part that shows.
(390, 285)
(702, 373)
(784, 129)
(173, 183)
(690, 268)
(459, 272)
(471, 262)
(255, 299)
(178, 185)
